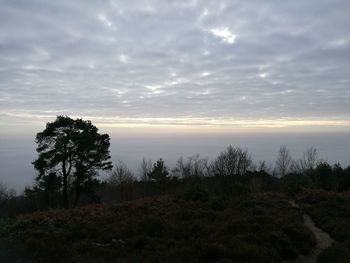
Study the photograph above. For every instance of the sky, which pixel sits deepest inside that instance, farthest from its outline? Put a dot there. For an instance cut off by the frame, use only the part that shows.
(141, 70)
(175, 63)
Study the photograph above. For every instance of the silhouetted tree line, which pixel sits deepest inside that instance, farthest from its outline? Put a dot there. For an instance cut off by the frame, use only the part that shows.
(72, 151)
(232, 172)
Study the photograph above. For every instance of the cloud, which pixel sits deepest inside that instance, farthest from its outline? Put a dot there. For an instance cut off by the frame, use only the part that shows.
(173, 59)
(123, 58)
(225, 34)
(263, 75)
(103, 18)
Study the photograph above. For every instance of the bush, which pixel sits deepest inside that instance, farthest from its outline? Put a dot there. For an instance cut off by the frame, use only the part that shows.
(197, 193)
(294, 183)
(335, 254)
(161, 229)
(217, 203)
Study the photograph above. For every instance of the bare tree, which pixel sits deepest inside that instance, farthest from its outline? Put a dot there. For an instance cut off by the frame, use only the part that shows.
(121, 174)
(307, 163)
(6, 193)
(264, 167)
(3, 192)
(311, 158)
(145, 168)
(233, 161)
(244, 161)
(283, 161)
(194, 166)
(121, 181)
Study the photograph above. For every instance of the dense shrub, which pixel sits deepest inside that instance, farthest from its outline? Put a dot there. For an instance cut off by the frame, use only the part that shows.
(197, 193)
(335, 254)
(294, 183)
(262, 228)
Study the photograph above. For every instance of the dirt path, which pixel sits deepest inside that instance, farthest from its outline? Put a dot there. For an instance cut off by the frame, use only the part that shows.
(323, 239)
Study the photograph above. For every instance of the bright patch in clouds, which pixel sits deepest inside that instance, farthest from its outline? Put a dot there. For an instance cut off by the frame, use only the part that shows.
(225, 34)
(205, 74)
(206, 53)
(123, 58)
(341, 42)
(103, 18)
(153, 87)
(204, 14)
(263, 75)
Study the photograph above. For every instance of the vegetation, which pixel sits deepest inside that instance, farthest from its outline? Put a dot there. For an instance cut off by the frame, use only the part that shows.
(70, 149)
(331, 212)
(225, 210)
(261, 228)
(283, 161)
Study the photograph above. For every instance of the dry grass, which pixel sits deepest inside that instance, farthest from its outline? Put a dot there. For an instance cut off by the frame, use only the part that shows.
(259, 228)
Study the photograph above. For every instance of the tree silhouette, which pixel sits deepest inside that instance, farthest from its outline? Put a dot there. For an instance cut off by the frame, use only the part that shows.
(232, 161)
(159, 171)
(193, 166)
(308, 163)
(122, 179)
(283, 161)
(71, 148)
(159, 174)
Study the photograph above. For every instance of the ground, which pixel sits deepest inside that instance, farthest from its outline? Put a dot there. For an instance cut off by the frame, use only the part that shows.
(259, 228)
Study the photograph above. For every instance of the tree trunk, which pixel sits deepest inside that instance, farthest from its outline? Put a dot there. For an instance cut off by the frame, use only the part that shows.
(65, 186)
(65, 192)
(77, 190)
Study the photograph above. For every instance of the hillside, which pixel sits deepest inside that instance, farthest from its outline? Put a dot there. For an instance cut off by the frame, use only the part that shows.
(260, 228)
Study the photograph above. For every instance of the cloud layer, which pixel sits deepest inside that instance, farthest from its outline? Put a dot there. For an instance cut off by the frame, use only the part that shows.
(183, 60)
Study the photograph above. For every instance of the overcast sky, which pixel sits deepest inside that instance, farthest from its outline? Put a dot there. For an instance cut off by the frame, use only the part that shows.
(176, 62)
(150, 68)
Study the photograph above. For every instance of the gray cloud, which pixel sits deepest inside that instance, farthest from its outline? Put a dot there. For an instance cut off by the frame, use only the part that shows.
(175, 59)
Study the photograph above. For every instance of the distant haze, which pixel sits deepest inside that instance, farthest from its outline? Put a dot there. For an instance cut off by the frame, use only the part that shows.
(16, 156)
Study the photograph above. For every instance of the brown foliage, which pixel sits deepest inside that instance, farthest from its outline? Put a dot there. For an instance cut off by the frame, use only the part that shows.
(261, 228)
